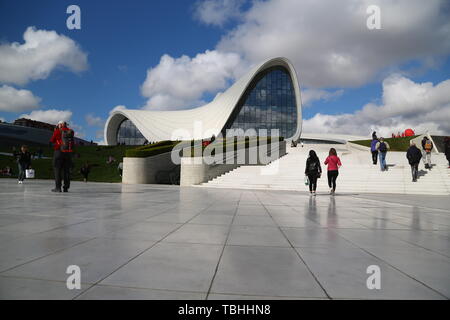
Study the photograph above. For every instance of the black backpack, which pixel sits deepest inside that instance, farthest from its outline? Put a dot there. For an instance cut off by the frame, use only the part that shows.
(67, 137)
(382, 147)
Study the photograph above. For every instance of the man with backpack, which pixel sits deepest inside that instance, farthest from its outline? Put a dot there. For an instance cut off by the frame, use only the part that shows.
(414, 155)
(63, 143)
(382, 147)
(427, 146)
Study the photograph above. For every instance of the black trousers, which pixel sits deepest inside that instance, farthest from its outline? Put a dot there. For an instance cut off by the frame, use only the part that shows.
(62, 164)
(332, 176)
(374, 157)
(312, 182)
(414, 170)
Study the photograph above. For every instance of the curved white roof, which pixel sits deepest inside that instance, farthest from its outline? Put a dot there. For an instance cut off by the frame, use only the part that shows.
(212, 117)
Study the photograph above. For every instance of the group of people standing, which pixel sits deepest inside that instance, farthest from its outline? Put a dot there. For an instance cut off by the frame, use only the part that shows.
(313, 170)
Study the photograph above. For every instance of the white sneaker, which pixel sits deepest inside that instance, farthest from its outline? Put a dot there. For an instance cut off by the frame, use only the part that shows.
(331, 191)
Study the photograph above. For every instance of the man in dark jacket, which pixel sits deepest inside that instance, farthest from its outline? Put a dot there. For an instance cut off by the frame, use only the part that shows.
(447, 150)
(414, 155)
(23, 161)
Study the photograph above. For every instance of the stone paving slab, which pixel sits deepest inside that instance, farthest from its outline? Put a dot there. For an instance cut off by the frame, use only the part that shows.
(167, 242)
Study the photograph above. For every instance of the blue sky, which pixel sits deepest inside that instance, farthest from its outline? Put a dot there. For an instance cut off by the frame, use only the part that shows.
(123, 39)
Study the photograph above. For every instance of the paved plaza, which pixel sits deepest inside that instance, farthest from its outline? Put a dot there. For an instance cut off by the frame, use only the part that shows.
(167, 242)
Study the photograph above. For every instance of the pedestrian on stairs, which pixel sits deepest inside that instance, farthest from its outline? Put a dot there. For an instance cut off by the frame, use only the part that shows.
(313, 170)
(373, 149)
(447, 150)
(382, 148)
(427, 146)
(333, 163)
(414, 155)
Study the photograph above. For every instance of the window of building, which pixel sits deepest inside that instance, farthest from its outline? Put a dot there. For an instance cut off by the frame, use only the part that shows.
(128, 134)
(268, 103)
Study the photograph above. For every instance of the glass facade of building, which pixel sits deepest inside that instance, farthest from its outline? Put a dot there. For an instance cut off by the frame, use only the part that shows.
(268, 103)
(129, 134)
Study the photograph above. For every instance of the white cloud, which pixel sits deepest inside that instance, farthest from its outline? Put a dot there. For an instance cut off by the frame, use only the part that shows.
(94, 121)
(217, 12)
(2, 119)
(310, 95)
(328, 40)
(99, 134)
(405, 104)
(41, 52)
(50, 116)
(180, 83)
(17, 100)
(101, 142)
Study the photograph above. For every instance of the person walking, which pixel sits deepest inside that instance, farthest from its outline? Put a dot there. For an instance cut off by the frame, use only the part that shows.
(85, 170)
(333, 163)
(382, 147)
(63, 142)
(313, 170)
(414, 155)
(373, 149)
(23, 162)
(447, 150)
(427, 146)
(120, 168)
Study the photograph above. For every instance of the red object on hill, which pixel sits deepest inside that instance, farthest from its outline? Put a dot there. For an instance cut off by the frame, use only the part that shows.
(409, 132)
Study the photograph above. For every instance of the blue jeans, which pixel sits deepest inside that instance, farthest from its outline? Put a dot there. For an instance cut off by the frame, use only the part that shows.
(382, 156)
(22, 167)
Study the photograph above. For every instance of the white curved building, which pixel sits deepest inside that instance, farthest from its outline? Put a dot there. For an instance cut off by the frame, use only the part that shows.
(267, 97)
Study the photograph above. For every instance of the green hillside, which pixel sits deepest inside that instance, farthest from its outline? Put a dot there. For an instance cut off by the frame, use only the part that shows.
(96, 156)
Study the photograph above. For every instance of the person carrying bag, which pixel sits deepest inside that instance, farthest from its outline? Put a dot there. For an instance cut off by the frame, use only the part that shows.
(313, 170)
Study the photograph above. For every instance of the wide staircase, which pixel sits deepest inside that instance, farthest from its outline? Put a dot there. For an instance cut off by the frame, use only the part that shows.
(356, 175)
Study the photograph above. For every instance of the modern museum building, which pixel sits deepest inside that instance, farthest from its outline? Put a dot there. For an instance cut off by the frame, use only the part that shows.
(267, 97)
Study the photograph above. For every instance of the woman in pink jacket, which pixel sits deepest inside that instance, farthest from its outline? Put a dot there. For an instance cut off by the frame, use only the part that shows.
(333, 163)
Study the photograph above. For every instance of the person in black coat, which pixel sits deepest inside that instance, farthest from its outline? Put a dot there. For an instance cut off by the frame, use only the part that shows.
(414, 155)
(313, 170)
(85, 170)
(23, 162)
(447, 149)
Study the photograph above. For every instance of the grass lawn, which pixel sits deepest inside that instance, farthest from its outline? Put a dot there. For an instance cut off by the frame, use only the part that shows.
(396, 144)
(95, 155)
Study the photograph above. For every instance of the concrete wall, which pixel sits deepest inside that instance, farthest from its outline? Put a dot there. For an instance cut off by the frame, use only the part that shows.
(196, 171)
(148, 170)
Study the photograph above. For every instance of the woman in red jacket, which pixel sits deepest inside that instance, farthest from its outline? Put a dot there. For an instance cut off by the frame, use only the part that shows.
(333, 163)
